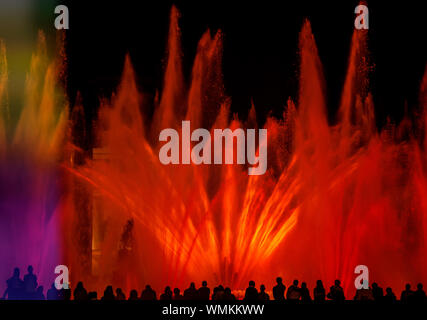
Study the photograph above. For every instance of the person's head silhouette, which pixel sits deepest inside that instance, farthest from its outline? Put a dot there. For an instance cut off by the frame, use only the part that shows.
(279, 280)
(262, 288)
(30, 269)
(133, 295)
(303, 285)
(295, 282)
(109, 291)
(251, 283)
(192, 285)
(319, 283)
(420, 286)
(337, 282)
(374, 285)
(408, 286)
(204, 284)
(16, 272)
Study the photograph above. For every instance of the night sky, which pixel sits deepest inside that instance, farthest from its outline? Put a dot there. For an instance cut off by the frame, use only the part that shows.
(260, 59)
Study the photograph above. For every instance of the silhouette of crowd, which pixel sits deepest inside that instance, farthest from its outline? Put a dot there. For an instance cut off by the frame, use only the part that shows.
(29, 289)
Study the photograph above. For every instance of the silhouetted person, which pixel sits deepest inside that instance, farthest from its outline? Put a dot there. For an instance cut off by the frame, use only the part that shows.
(15, 287)
(133, 295)
(389, 297)
(228, 296)
(377, 292)
(39, 293)
(167, 294)
(294, 292)
(407, 294)
(279, 290)
(191, 292)
(420, 295)
(120, 294)
(336, 292)
(305, 294)
(363, 294)
(218, 293)
(204, 292)
(148, 293)
(53, 293)
(80, 293)
(108, 294)
(251, 293)
(262, 294)
(319, 293)
(30, 284)
(177, 295)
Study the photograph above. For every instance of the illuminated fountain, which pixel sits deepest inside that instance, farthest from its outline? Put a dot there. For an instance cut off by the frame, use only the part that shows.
(335, 196)
(30, 175)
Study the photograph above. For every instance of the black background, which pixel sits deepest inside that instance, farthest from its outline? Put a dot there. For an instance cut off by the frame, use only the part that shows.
(260, 58)
(153, 310)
